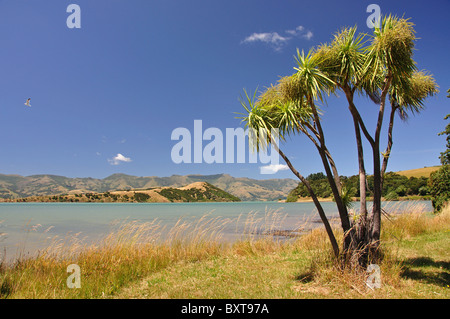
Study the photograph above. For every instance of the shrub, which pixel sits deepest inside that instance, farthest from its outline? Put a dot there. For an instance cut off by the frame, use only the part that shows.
(424, 190)
(141, 197)
(439, 185)
(401, 190)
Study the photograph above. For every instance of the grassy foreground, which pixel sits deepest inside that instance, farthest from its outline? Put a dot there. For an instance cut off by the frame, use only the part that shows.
(193, 262)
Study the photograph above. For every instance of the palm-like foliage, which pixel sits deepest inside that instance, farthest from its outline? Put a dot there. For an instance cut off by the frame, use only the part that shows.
(273, 116)
(380, 67)
(408, 96)
(313, 81)
(257, 120)
(347, 194)
(289, 106)
(343, 59)
(390, 51)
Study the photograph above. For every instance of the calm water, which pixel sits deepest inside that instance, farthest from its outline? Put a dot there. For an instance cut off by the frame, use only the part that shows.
(27, 227)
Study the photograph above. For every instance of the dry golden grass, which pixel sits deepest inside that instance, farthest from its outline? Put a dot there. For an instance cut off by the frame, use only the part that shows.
(192, 260)
(134, 249)
(414, 220)
(419, 172)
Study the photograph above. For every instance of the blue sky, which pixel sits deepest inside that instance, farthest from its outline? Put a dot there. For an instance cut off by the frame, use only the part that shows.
(136, 70)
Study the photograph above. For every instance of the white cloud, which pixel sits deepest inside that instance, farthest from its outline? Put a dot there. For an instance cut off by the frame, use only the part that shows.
(276, 40)
(301, 32)
(116, 160)
(296, 30)
(273, 39)
(272, 168)
(268, 37)
(308, 35)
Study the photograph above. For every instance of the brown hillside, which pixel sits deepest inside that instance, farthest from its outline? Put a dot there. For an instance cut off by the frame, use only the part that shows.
(419, 172)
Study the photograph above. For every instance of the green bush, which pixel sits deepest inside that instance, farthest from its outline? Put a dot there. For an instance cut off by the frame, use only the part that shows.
(439, 185)
(424, 190)
(401, 190)
(141, 197)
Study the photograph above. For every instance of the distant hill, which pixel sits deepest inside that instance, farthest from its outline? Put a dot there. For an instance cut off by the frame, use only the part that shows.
(247, 189)
(419, 172)
(195, 192)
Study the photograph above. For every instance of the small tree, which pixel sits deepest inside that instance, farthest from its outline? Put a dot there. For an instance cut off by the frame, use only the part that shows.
(439, 182)
(445, 156)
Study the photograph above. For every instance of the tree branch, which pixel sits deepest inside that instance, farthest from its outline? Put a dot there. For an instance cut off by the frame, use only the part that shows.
(387, 153)
(319, 207)
(357, 116)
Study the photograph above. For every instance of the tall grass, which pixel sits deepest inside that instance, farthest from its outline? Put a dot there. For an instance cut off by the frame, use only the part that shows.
(413, 220)
(399, 223)
(130, 251)
(135, 250)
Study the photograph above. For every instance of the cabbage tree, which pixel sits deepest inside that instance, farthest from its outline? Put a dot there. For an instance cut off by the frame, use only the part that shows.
(379, 66)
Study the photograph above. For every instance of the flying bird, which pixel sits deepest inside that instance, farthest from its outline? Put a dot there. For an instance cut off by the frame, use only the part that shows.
(27, 103)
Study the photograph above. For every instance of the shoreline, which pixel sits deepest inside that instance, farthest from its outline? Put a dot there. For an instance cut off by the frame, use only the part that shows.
(368, 199)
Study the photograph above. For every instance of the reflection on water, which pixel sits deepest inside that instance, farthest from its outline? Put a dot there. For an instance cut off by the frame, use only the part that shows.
(27, 227)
